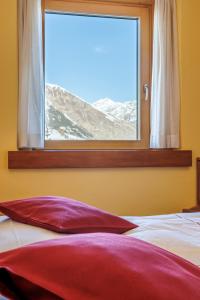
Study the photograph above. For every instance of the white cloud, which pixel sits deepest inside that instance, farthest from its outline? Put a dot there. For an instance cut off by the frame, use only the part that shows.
(100, 49)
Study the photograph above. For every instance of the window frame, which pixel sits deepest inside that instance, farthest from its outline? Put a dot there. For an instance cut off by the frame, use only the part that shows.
(136, 8)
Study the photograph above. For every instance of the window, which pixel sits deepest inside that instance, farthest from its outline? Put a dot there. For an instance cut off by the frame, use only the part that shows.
(164, 122)
(97, 74)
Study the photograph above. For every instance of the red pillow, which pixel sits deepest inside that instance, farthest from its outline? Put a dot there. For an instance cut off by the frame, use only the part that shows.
(97, 266)
(64, 215)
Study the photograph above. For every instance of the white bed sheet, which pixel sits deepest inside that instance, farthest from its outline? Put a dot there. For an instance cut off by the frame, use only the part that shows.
(14, 234)
(177, 233)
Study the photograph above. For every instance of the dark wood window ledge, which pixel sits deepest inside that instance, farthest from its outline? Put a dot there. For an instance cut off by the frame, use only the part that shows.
(49, 159)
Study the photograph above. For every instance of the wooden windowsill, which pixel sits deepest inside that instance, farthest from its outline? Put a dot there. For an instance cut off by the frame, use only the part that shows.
(52, 159)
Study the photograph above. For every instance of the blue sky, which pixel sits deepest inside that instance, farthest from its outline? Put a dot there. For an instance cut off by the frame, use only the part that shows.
(93, 57)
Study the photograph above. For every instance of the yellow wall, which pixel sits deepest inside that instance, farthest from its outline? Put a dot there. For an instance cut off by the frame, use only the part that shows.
(129, 192)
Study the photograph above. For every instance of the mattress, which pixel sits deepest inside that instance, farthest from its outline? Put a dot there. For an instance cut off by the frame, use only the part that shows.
(177, 233)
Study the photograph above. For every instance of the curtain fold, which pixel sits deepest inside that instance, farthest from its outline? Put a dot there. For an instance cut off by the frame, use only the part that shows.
(165, 100)
(31, 77)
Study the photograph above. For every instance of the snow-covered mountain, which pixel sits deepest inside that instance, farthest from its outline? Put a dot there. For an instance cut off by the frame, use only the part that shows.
(126, 111)
(68, 117)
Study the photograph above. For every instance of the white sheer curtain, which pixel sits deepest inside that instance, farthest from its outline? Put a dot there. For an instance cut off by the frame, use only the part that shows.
(31, 78)
(165, 102)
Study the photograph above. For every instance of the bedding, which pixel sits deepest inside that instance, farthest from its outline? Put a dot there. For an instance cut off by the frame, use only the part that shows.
(122, 265)
(177, 233)
(63, 215)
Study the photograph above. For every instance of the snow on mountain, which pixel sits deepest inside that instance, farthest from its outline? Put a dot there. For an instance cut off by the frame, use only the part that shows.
(59, 127)
(68, 117)
(126, 111)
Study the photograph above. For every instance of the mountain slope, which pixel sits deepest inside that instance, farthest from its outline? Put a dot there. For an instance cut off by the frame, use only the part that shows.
(62, 128)
(71, 117)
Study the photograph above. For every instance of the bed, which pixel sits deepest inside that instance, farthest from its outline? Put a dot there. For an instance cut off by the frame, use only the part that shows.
(179, 234)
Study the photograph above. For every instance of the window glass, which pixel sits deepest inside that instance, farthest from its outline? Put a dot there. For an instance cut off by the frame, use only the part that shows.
(92, 77)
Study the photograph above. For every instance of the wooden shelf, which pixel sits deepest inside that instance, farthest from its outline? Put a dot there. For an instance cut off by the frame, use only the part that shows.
(48, 159)
(192, 209)
(197, 207)
(198, 181)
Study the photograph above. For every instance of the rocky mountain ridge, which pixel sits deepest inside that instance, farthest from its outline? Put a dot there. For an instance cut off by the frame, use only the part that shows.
(69, 117)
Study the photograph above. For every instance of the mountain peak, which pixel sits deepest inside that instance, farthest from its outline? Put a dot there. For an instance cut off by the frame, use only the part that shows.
(105, 100)
(71, 117)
